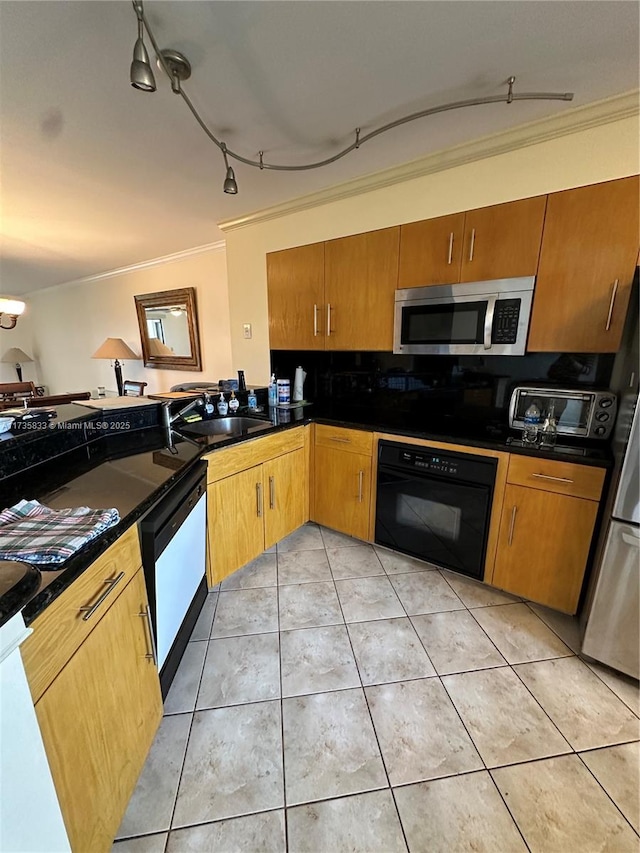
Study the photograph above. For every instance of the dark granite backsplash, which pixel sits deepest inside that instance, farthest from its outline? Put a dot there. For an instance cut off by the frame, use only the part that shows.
(428, 388)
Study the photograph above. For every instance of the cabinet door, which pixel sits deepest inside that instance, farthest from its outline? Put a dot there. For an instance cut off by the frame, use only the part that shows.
(284, 483)
(503, 241)
(235, 522)
(588, 257)
(342, 491)
(98, 719)
(431, 251)
(361, 274)
(295, 287)
(548, 569)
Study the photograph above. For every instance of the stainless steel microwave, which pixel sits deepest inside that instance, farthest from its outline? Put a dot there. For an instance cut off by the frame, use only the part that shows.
(578, 412)
(476, 318)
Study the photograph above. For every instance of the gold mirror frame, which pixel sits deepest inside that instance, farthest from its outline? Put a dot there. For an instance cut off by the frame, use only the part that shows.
(166, 299)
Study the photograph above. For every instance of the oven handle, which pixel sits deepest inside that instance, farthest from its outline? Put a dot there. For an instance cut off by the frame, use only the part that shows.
(488, 320)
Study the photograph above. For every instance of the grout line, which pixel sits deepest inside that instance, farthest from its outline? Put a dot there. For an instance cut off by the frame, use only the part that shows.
(375, 733)
(282, 744)
(607, 794)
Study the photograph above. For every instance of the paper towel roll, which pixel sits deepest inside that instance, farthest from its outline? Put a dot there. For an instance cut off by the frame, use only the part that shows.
(298, 385)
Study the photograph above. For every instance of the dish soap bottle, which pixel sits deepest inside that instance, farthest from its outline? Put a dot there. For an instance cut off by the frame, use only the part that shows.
(222, 406)
(273, 391)
(531, 425)
(233, 403)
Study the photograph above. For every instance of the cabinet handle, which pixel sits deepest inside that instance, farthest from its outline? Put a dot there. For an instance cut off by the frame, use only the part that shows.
(472, 244)
(153, 654)
(360, 481)
(555, 479)
(450, 248)
(259, 499)
(342, 440)
(513, 523)
(90, 609)
(315, 321)
(328, 319)
(614, 291)
(272, 492)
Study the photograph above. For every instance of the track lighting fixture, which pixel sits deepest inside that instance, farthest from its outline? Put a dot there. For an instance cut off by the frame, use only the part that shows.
(141, 73)
(174, 64)
(230, 186)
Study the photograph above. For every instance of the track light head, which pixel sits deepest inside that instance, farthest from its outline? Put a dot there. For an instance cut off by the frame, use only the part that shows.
(141, 74)
(230, 185)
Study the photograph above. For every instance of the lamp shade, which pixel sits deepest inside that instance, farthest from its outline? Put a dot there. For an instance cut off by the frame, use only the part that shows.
(16, 356)
(157, 347)
(115, 348)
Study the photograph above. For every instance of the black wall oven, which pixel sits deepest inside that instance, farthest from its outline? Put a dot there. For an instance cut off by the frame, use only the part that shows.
(435, 505)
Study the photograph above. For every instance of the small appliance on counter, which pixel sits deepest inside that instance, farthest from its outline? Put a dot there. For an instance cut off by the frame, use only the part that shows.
(581, 413)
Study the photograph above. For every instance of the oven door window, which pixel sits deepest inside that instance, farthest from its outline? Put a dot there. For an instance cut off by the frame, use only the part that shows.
(439, 521)
(444, 323)
(571, 412)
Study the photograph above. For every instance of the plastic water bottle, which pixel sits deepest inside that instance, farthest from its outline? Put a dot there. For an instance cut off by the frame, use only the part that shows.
(531, 425)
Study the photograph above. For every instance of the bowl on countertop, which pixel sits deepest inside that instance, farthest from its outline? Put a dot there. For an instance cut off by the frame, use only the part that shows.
(5, 424)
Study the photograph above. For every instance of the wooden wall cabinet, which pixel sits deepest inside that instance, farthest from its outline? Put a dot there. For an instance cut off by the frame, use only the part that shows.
(100, 711)
(250, 507)
(501, 241)
(342, 480)
(588, 258)
(361, 274)
(295, 289)
(336, 295)
(548, 517)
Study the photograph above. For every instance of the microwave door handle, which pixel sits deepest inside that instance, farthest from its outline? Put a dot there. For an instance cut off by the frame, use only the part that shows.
(488, 320)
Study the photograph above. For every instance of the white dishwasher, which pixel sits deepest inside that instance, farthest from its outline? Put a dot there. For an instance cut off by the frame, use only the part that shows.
(173, 537)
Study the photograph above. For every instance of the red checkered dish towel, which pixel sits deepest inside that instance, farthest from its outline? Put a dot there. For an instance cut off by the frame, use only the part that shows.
(35, 533)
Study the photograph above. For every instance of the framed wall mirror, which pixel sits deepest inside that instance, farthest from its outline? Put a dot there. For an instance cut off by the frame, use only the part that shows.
(168, 323)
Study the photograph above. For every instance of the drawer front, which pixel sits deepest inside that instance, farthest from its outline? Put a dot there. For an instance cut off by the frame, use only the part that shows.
(231, 460)
(62, 627)
(338, 438)
(565, 478)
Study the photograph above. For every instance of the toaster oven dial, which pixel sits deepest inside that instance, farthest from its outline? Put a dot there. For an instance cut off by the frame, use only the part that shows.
(602, 416)
(606, 402)
(600, 430)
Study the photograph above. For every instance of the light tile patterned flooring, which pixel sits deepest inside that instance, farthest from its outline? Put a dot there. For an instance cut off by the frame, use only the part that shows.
(340, 697)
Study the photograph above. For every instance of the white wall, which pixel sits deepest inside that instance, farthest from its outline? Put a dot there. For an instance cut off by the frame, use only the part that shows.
(588, 156)
(63, 326)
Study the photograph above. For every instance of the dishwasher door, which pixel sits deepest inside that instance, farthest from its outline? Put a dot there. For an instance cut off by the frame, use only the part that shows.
(173, 538)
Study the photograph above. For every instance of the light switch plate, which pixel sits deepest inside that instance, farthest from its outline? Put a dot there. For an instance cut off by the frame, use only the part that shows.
(247, 330)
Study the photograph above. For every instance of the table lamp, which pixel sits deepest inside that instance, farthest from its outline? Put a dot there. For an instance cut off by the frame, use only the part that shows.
(115, 349)
(16, 356)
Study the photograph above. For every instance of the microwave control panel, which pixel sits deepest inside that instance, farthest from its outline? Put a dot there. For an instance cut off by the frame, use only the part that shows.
(505, 321)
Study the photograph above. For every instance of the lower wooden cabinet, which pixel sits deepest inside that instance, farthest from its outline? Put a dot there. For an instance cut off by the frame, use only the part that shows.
(98, 719)
(342, 480)
(253, 509)
(543, 546)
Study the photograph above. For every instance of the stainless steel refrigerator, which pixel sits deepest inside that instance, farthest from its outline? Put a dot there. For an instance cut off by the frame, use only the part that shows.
(612, 634)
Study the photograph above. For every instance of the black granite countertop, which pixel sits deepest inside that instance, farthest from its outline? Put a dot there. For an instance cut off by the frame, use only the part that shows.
(131, 470)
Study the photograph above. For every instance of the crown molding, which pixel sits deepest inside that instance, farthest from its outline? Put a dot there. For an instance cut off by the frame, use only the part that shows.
(141, 265)
(606, 111)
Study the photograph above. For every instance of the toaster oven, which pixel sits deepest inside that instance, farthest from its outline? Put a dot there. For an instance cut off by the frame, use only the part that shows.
(581, 413)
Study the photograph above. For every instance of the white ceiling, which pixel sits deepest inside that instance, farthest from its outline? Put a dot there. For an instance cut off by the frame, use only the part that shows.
(96, 175)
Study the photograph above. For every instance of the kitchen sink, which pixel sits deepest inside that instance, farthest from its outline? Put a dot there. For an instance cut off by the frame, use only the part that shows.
(226, 427)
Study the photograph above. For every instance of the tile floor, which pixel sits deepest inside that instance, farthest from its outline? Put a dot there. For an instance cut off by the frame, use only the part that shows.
(340, 697)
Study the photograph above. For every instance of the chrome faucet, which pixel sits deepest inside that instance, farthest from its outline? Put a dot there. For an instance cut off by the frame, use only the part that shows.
(169, 419)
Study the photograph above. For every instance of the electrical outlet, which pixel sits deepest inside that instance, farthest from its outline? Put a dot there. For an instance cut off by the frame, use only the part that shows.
(247, 330)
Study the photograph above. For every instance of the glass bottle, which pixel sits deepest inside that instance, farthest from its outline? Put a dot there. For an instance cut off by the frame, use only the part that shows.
(549, 429)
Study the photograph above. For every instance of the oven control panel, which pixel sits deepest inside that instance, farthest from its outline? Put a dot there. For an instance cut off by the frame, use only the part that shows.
(505, 321)
(431, 462)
